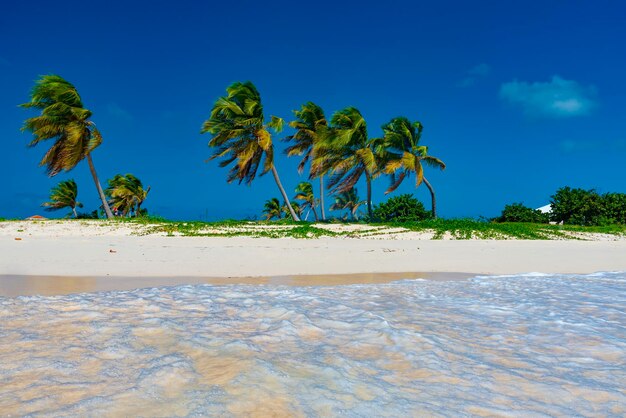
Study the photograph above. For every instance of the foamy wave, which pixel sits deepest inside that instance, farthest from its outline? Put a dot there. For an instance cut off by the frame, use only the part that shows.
(528, 344)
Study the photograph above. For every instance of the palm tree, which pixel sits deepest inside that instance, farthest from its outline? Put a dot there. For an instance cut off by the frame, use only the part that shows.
(404, 155)
(126, 194)
(348, 153)
(272, 209)
(296, 208)
(64, 196)
(348, 200)
(311, 127)
(64, 119)
(241, 135)
(304, 192)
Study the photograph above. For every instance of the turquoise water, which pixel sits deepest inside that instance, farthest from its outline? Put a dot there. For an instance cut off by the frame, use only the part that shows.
(508, 345)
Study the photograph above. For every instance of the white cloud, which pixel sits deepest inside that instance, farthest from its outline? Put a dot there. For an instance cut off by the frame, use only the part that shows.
(556, 98)
(473, 74)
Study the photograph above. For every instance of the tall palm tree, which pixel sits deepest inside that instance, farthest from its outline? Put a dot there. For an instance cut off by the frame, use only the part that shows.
(405, 156)
(348, 200)
(126, 194)
(348, 153)
(304, 193)
(272, 209)
(65, 120)
(241, 135)
(64, 195)
(311, 127)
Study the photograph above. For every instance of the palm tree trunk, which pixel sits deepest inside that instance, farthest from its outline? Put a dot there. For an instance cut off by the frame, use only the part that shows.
(322, 197)
(74, 210)
(432, 197)
(103, 198)
(314, 213)
(368, 180)
(282, 192)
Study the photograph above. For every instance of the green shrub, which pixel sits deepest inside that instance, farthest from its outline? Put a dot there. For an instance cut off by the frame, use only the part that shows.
(587, 207)
(401, 208)
(615, 208)
(577, 207)
(86, 215)
(517, 212)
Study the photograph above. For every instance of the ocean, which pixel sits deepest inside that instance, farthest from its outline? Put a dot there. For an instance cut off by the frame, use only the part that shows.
(532, 344)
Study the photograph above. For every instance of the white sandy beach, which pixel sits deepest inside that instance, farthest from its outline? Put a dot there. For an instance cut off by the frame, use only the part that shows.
(69, 248)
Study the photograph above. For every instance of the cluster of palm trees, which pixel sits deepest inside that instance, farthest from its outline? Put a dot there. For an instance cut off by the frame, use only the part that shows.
(64, 120)
(340, 148)
(305, 202)
(125, 194)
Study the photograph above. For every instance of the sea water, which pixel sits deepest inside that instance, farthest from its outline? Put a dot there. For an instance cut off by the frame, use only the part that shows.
(540, 345)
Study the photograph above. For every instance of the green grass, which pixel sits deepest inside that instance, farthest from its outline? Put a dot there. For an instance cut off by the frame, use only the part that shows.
(441, 228)
(470, 228)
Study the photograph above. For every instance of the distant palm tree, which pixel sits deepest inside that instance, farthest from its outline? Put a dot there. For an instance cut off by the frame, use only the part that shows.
(126, 194)
(241, 135)
(405, 156)
(348, 153)
(272, 209)
(348, 200)
(304, 193)
(64, 119)
(296, 208)
(311, 127)
(64, 196)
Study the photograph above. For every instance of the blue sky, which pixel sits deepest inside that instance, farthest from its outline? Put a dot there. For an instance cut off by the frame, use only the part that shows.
(517, 98)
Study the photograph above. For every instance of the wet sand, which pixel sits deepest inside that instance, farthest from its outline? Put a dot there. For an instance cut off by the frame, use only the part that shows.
(16, 285)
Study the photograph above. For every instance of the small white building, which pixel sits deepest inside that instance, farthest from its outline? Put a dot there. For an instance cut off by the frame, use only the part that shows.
(545, 209)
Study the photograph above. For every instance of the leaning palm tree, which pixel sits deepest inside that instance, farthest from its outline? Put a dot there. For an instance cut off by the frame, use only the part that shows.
(304, 193)
(65, 120)
(64, 196)
(241, 135)
(311, 127)
(126, 194)
(348, 153)
(405, 156)
(272, 209)
(348, 200)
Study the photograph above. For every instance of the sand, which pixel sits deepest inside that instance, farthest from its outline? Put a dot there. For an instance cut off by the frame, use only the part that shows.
(100, 249)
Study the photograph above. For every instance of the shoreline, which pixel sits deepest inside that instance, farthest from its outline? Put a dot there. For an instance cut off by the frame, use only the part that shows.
(18, 285)
(104, 250)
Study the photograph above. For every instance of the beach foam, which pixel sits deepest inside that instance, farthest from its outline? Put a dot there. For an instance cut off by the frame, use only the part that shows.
(532, 344)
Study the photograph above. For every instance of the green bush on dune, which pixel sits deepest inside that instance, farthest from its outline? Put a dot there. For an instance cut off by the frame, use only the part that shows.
(517, 212)
(588, 207)
(403, 208)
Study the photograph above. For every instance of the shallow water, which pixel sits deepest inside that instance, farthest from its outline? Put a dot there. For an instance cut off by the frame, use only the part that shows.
(508, 345)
